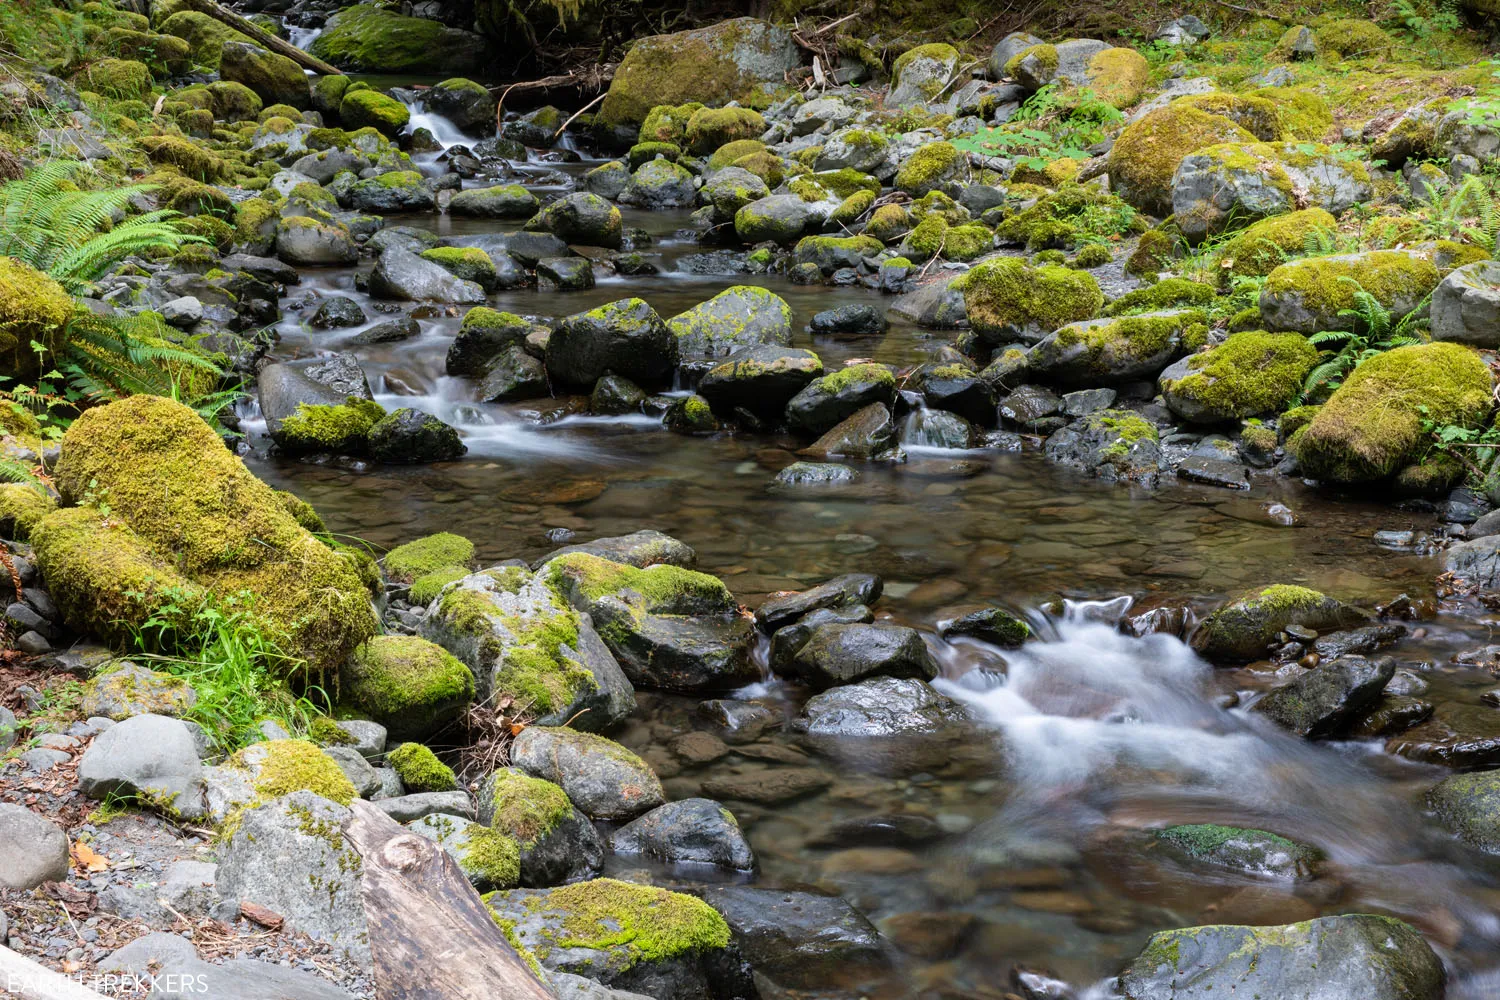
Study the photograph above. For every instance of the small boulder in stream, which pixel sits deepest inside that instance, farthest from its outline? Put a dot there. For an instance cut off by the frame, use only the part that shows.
(1325, 700)
(740, 316)
(799, 939)
(1244, 628)
(401, 274)
(759, 379)
(843, 654)
(624, 338)
(603, 779)
(692, 831)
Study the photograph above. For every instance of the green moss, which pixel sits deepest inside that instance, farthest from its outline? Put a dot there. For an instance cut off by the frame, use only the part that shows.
(287, 766)
(205, 36)
(342, 429)
(1204, 839)
(371, 39)
(1004, 296)
(1269, 243)
(645, 152)
(1118, 76)
(117, 78)
(764, 164)
(1303, 114)
(420, 770)
(431, 553)
(1153, 253)
(425, 588)
(668, 123)
(1044, 57)
(970, 242)
(929, 168)
(1351, 38)
(1168, 293)
(491, 857)
(731, 152)
(664, 589)
(406, 683)
(33, 308)
(644, 923)
(1252, 373)
(711, 128)
(233, 102)
(325, 732)
(1107, 345)
(888, 223)
(937, 51)
(1147, 152)
(468, 263)
(1372, 426)
(1259, 116)
(1130, 429)
(524, 808)
(372, 109)
(22, 507)
(1325, 286)
(1092, 255)
(851, 208)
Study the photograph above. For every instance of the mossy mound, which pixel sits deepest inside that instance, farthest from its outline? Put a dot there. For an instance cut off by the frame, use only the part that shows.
(1243, 629)
(1147, 152)
(1250, 374)
(936, 166)
(409, 685)
(1008, 300)
(522, 807)
(426, 588)
(121, 79)
(406, 563)
(1165, 294)
(1351, 38)
(1118, 76)
(1303, 113)
(280, 767)
(1319, 293)
(1257, 115)
(22, 507)
(320, 429)
(711, 128)
(33, 308)
(668, 123)
(205, 35)
(1372, 426)
(420, 770)
(372, 39)
(372, 109)
(179, 500)
(1269, 243)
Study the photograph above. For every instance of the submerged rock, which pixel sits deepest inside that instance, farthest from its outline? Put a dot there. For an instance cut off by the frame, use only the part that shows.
(1253, 852)
(799, 939)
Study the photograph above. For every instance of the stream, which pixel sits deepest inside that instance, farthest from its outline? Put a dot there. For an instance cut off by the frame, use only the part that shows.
(1091, 736)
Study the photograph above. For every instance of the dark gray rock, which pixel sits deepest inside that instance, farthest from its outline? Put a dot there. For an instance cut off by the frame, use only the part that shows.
(846, 591)
(567, 850)
(788, 641)
(336, 311)
(695, 831)
(1323, 701)
(844, 654)
(884, 707)
(407, 436)
(835, 397)
(36, 849)
(993, 625)
(624, 338)
(865, 434)
(856, 319)
(513, 374)
(1249, 852)
(401, 274)
(760, 379)
(580, 217)
(602, 778)
(566, 274)
(799, 939)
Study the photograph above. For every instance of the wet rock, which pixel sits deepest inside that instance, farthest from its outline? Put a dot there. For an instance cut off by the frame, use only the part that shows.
(1246, 627)
(513, 374)
(1358, 640)
(1111, 351)
(835, 397)
(408, 436)
(1393, 714)
(336, 311)
(677, 947)
(884, 707)
(797, 938)
(557, 842)
(389, 332)
(659, 184)
(893, 830)
(565, 274)
(1325, 700)
(401, 274)
(36, 849)
(856, 319)
(739, 722)
(639, 549)
(1457, 735)
(931, 935)
(416, 805)
(759, 379)
(768, 786)
(304, 242)
(290, 856)
(625, 338)
(1029, 405)
(843, 654)
(992, 625)
(1469, 806)
(391, 193)
(739, 317)
(1475, 563)
(507, 201)
(1251, 852)
(130, 689)
(614, 395)
(841, 592)
(863, 435)
(787, 642)
(581, 217)
(1230, 475)
(1111, 444)
(602, 778)
(150, 756)
(693, 831)
(1370, 957)
(780, 218)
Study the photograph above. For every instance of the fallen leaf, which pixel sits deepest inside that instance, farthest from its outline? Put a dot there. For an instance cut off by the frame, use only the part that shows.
(87, 858)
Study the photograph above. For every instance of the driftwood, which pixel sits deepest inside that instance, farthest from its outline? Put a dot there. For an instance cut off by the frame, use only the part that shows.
(430, 934)
(263, 38)
(20, 976)
(592, 80)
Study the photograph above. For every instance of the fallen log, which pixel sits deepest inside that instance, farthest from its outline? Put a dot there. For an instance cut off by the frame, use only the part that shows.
(263, 38)
(430, 934)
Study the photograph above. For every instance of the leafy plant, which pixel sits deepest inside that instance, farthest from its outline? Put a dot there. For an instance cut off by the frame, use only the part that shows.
(1374, 332)
(46, 222)
(1469, 214)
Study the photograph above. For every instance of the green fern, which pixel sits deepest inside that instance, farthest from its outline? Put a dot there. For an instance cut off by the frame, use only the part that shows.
(1319, 242)
(72, 235)
(1372, 332)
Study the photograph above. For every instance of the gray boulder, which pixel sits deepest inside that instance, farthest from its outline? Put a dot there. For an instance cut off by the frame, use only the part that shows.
(639, 549)
(507, 201)
(1230, 186)
(1110, 444)
(401, 274)
(392, 192)
(1469, 805)
(730, 189)
(761, 379)
(1183, 31)
(885, 707)
(862, 149)
(36, 849)
(848, 591)
(738, 317)
(291, 857)
(837, 396)
(1007, 49)
(1356, 955)
(357, 769)
(922, 74)
(150, 756)
(1466, 305)
(416, 805)
(1111, 351)
(581, 217)
(602, 778)
(307, 242)
(187, 887)
(780, 218)
(570, 987)
(321, 382)
(693, 831)
(408, 436)
(1327, 699)
(131, 689)
(866, 434)
(820, 113)
(466, 104)
(799, 939)
(513, 374)
(844, 654)
(169, 958)
(476, 849)
(658, 184)
(1475, 563)
(1243, 628)
(625, 338)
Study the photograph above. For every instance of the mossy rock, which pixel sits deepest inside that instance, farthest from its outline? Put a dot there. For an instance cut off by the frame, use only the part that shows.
(1118, 76)
(406, 563)
(1303, 112)
(189, 157)
(317, 429)
(1008, 300)
(33, 308)
(937, 166)
(489, 858)
(22, 507)
(668, 123)
(234, 102)
(1250, 852)
(557, 843)
(1352, 38)
(420, 770)
(1469, 805)
(710, 128)
(185, 510)
(1373, 425)
(1114, 351)
(280, 767)
(1147, 152)
(1244, 628)
(371, 39)
(411, 686)
(1266, 245)
(1168, 293)
(205, 35)
(121, 79)
(372, 109)
(1259, 116)
(164, 55)
(1318, 293)
(1250, 374)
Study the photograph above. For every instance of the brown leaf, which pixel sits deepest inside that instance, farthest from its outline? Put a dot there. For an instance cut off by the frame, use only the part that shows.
(87, 858)
(254, 912)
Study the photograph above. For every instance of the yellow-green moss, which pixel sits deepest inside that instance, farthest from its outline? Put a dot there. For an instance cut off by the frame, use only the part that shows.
(425, 588)
(1147, 152)
(638, 922)
(1118, 76)
(888, 223)
(429, 554)
(1005, 296)
(370, 108)
(668, 123)
(420, 770)
(1250, 374)
(710, 128)
(664, 589)
(928, 168)
(1165, 294)
(1269, 243)
(1326, 285)
(33, 307)
(1372, 425)
(1351, 38)
(1303, 114)
(491, 857)
(22, 507)
(406, 683)
(342, 429)
(287, 766)
(1043, 56)
(524, 808)
(731, 152)
(1257, 115)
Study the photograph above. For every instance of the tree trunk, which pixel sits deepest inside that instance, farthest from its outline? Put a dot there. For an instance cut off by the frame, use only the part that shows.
(263, 38)
(431, 935)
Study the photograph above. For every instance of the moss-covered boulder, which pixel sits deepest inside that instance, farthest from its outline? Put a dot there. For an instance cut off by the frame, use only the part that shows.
(371, 39)
(419, 768)
(781, 218)
(743, 60)
(1370, 957)
(1251, 374)
(738, 317)
(468, 105)
(1226, 186)
(185, 515)
(488, 858)
(827, 401)
(33, 309)
(557, 843)
(1008, 300)
(205, 35)
(1111, 444)
(164, 55)
(120, 79)
(629, 937)
(1372, 426)
(1318, 293)
(1114, 351)
(1034, 67)
(372, 109)
(602, 778)
(711, 128)
(1266, 245)
(1118, 76)
(581, 217)
(406, 563)
(318, 429)
(1246, 627)
(1469, 805)
(759, 380)
(1248, 852)
(921, 74)
(409, 685)
(22, 507)
(937, 166)
(274, 78)
(658, 184)
(524, 642)
(1147, 152)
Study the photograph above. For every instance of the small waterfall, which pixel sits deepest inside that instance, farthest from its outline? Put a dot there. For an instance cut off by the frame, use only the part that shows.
(302, 37)
(444, 131)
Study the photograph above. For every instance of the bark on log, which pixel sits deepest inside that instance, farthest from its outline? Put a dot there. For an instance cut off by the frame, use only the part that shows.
(22, 977)
(263, 38)
(431, 935)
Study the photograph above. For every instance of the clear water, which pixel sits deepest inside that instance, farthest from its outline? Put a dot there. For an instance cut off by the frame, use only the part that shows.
(1088, 738)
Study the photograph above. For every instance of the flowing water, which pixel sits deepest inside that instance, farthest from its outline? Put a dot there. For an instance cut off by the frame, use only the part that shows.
(1088, 737)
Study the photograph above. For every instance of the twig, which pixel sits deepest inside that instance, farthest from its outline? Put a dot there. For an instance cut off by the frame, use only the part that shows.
(580, 111)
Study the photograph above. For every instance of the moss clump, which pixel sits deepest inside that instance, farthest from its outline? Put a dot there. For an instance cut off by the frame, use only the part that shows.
(1154, 252)
(1257, 115)
(1147, 152)
(22, 507)
(1250, 374)
(1351, 38)
(1269, 243)
(933, 167)
(1314, 294)
(1092, 255)
(205, 35)
(1108, 348)
(407, 684)
(851, 208)
(1118, 76)
(233, 102)
(427, 555)
(638, 923)
(426, 588)
(325, 732)
(664, 589)
(490, 858)
(420, 770)
(1234, 845)
(468, 263)
(370, 108)
(193, 505)
(1168, 293)
(732, 152)
(888, 223)
(1372, 425)
(763, 164)
(645, 152)
(342, 429)
(1006, 299)
(1038, 61)
(668, 123)
(33, 308)
(1303, 113)
(286, 766)
(523, 807)
(121, 79)
(1056, 219)
(710, 128)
